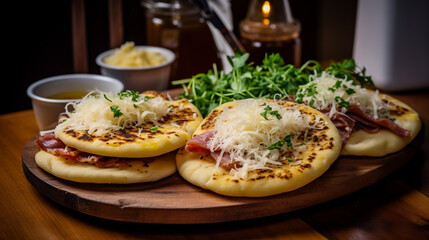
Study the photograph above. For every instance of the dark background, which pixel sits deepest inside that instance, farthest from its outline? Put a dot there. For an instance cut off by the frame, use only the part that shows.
(37, 38)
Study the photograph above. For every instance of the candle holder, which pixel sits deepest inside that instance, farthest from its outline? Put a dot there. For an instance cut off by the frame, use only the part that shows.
(270, 28)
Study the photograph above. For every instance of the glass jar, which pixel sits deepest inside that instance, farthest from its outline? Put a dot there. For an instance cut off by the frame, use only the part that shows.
(179, 26)
(269, 28)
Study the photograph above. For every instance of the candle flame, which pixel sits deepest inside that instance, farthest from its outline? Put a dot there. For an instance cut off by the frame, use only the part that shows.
(266, 8)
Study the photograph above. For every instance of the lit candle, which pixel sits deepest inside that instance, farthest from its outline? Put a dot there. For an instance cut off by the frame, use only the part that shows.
(269, 28)
(266, 9)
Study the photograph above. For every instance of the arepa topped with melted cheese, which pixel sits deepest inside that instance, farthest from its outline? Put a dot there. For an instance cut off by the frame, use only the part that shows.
(128, 124)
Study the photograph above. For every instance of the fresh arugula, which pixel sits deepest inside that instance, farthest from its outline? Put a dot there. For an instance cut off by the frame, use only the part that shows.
(350, 71)
(273, 79)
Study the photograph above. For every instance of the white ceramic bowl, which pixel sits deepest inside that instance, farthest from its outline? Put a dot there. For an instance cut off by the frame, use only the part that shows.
(140, 78)
(46, 109)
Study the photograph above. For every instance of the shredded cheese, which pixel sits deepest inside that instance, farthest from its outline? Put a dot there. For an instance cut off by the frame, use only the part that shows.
(328, 92)
(102, 112)
(244, 134)
(130, 56)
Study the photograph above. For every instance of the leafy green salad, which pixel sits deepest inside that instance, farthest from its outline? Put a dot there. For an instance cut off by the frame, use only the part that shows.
(273, 79)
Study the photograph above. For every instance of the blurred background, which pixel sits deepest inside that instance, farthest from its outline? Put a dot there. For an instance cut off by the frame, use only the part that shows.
(40, 37)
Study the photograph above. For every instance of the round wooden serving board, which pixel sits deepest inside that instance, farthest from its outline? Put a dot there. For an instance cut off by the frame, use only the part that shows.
(175, 201)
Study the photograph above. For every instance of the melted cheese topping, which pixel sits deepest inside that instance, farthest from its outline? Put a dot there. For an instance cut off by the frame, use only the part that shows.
(328, 89)
(245, 134)
(102, 112)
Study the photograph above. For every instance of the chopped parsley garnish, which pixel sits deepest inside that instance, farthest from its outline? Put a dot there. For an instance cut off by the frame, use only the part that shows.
(268, 110)
(276, 145)
(129, 93)
(342, 102)
(336, 86)
(309, 91)
(116, 111)
(279, 144)
(350, 91)
(154, 129)
(146, 98)
(276, 114)
(107, 98)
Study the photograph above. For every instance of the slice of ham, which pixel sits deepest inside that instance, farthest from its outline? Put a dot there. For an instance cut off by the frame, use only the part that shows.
(199, 144)
(344, 124)
(49, 143)
(357, 113)
(355, 119)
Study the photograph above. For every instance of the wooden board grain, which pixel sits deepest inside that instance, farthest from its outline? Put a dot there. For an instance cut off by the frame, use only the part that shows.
(175, 201)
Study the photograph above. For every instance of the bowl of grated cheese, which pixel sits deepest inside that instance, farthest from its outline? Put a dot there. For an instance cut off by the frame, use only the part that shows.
(139, 68)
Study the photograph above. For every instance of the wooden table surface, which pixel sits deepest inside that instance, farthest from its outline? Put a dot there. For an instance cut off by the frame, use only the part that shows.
(397, 207)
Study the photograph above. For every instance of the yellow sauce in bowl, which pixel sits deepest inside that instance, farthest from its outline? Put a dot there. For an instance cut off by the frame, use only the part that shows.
(78, 94)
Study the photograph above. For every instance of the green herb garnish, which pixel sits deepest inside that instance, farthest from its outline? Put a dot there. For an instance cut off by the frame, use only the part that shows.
(279, 144)
(308, 91)
(147, 98)
(276, 114)
(276, 145)
(116, 111)
(350, 91)
(268, 110)
(349, 71)
(107, 98)
(129, 93)
(335, 86)
(342, 102)
(154, 129)
(264, 114)
(270, 80)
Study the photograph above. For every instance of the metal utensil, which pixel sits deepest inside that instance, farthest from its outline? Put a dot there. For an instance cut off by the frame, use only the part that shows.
(211, 15)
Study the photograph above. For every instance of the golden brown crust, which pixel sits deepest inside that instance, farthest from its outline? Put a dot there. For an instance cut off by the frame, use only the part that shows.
(148, 140)
(384, 141)
(154, 94)
(323, 146)
(136, 171)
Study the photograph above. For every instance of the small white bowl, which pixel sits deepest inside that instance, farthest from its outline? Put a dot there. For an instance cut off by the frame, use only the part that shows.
(47, 109)
(140, 78)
